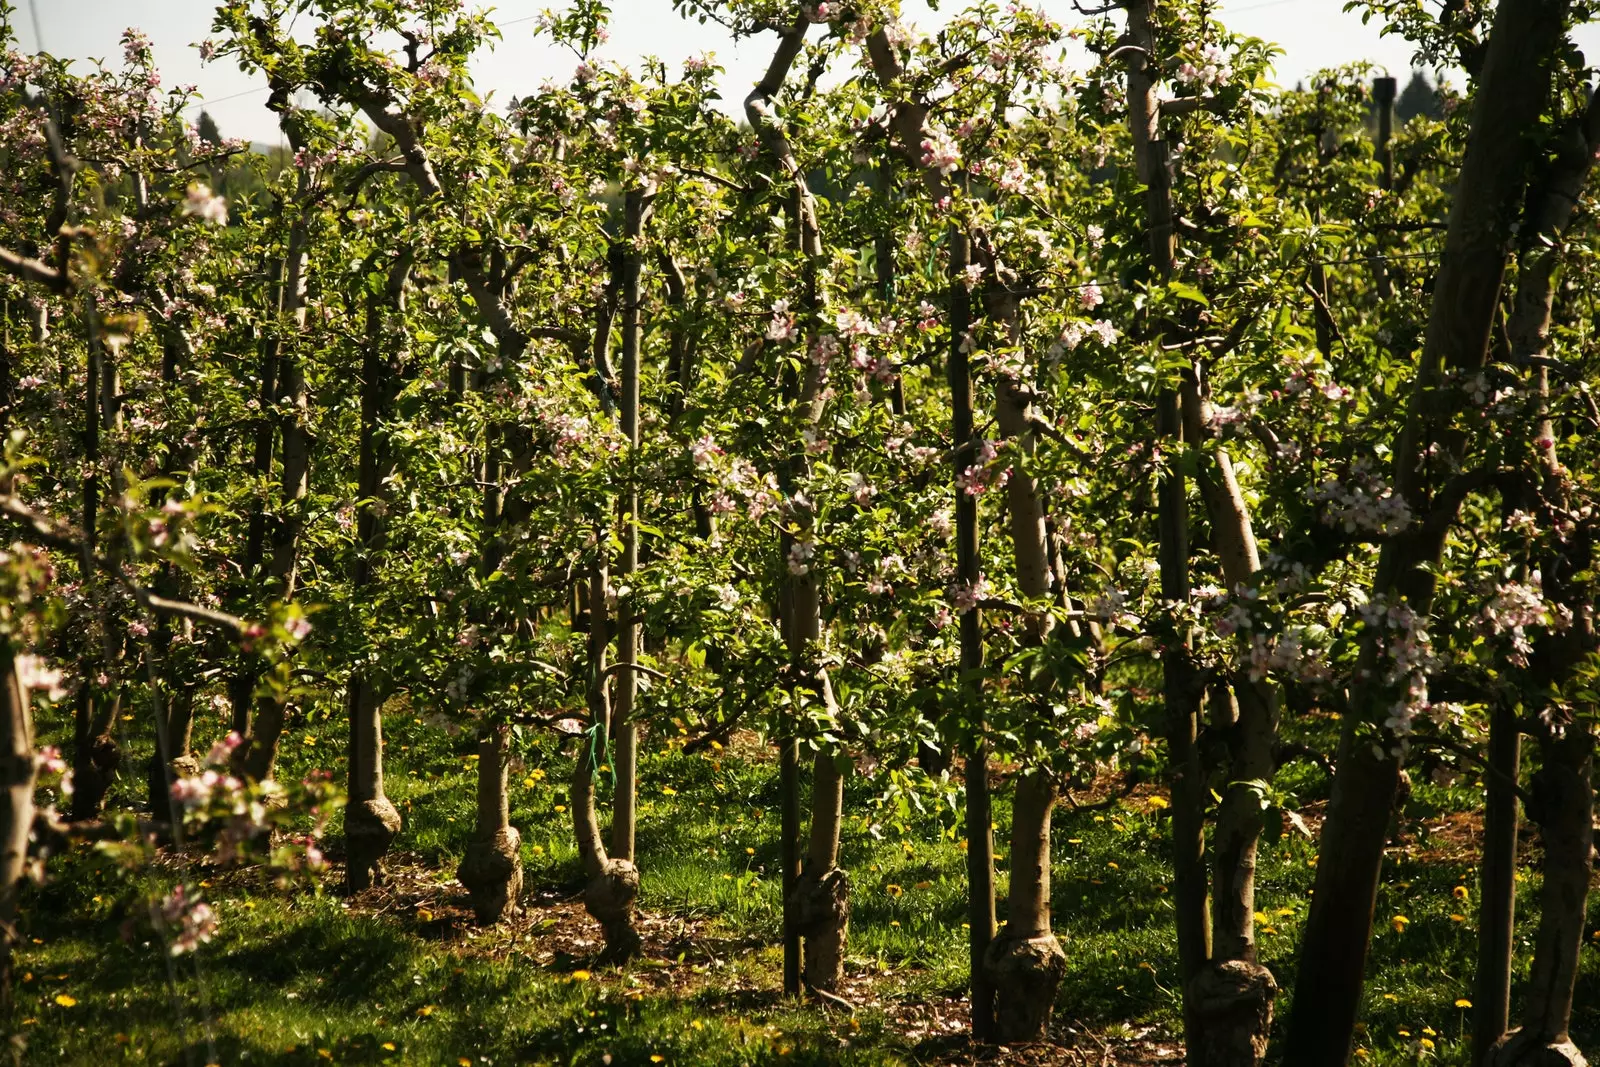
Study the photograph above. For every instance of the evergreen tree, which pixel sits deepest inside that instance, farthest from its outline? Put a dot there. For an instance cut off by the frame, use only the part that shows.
(1419, 97)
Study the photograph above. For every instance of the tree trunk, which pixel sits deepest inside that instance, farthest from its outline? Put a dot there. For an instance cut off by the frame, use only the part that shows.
(1233, 996)
(980, 818)
(1563, 805)
(370, 820)
(261, 751)
(823, 909)
(789, 833)
(1180, 684)
(1497, 894)
(817, 909)
(1550, 211)
(95, 757)
(1025, 961)
(172, 759)
(1508, 106)
(613, 884)
(623, 728)
(258, 756)
(16, 807)
(492, 867)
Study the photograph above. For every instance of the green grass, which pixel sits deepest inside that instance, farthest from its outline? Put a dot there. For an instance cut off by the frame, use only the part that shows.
(299, 977)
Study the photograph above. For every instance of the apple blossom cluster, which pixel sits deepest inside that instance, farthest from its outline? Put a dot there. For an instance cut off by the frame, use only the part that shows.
(900, 444)
(799, 558)
(1406, 650)
(1075, 331)
(984, 474)
(1364, 503)
(35, 676)
(783, 326)
(1213, 70)
(941, 151)
(188, 920)
(1111, 608)
(205, 205)
(964, 596)
(1519, 605)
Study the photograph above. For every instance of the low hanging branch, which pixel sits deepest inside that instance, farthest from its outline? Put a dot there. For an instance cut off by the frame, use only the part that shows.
(47, 533)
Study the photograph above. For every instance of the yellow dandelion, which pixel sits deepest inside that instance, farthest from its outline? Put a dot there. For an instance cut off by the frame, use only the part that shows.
(893, 890)
(1463, 1002)
(66, 1000)
(580, 976)
(1399, 922)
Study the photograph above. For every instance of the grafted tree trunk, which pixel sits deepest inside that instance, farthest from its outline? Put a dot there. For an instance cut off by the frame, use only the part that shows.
(824, 889)
(16, 806)
(371, 821)
(1181, 685)
(1233, 995)
(1510, 99)
(613, 884)
(492, 867)
(816, 901)
(1025, 961)
(909, 114)
(1563, 806)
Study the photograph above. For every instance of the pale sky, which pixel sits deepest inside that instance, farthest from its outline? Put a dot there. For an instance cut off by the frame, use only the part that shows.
(1312, 33)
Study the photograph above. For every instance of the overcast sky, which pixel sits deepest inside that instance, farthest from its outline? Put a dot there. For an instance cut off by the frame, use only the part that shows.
(1313, 34)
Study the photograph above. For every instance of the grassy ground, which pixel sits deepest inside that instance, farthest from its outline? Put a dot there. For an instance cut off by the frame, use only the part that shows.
(400, 975)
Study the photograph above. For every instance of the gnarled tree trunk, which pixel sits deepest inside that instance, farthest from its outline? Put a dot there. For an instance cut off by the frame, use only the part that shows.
(613, 884)
(492, 867)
